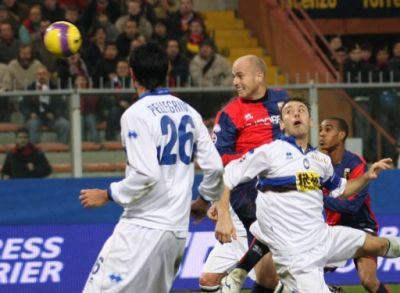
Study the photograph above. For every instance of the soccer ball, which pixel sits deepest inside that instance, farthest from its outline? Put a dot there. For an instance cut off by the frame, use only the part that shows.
(62, 39)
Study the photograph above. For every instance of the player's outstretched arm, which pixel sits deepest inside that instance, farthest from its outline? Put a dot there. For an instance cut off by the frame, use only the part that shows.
(357, 184)
(93, 198)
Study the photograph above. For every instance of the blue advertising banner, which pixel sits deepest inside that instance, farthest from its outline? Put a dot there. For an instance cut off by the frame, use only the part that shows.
(58, 258)
(49, 243)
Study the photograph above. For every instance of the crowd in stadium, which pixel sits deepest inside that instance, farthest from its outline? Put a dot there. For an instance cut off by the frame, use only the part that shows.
(111, 29)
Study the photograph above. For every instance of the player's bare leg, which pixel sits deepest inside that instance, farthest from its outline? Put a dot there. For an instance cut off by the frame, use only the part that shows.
(210, 282)
(388, 247)
(266, 275)
(366, 268)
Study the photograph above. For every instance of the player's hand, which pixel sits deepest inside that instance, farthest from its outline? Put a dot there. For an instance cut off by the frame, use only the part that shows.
(93, 198)
(198, 209)
(212, 213)
(224, 229)
(377, 167)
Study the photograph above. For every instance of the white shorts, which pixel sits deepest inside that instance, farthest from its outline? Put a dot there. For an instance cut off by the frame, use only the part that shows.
(304, 271)
(224, 257)
(136, 259)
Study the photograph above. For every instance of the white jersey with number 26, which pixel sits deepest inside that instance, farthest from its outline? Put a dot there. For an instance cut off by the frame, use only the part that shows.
(162, 135)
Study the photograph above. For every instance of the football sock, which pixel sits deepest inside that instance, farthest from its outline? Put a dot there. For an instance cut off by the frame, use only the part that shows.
(210, 289)
(257, 288)
(394, 247)
(256, 251)
(382, 289)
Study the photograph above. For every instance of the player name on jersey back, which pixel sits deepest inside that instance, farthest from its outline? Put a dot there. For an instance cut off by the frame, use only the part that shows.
(168, 106)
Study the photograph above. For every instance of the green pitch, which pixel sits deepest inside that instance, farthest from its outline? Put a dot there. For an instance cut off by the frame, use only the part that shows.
(347, 289)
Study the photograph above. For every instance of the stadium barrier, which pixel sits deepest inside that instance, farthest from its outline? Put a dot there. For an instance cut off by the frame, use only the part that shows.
(49, 242)
(208, 100)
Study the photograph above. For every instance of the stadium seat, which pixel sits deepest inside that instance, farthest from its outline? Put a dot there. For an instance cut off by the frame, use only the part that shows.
(112, 146)
(53, 147)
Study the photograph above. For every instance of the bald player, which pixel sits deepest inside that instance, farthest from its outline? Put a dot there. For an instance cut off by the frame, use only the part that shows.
(249, 120)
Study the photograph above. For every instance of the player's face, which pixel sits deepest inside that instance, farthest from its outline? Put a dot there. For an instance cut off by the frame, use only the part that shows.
(296, 120)
(329, 135)
(247, 80)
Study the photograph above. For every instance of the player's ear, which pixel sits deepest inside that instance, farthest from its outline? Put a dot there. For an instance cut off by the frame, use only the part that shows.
(341, 135)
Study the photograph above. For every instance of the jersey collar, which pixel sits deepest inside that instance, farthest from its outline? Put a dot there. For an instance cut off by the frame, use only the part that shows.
(291, 139)
(156, 92)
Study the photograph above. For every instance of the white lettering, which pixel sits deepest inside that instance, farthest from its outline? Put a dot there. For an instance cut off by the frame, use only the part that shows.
(51, 270)
(31, 272)
(32, 248)
(4, 270)
(53, 247)
(12, 246)
(15, 272)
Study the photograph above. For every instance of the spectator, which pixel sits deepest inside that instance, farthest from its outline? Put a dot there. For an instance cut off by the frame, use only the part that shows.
(8, 43)
(394, 64)
(382, 72)
(25, 160)
(5, 85)
(40, 51)
(178, 75)
(108, 7)
(115, 106)
(19, 10)
(45, 110)
(353, 69)
(125, 38)
(30, 27)
(135, 13)
(160, 33)
(72, 15)
(147, 10)
(106, 66)
(163, 8)
(95, 49)
(196, 34)
(340, 58)
(102, 20)
(89, 110)
(138, 41)
(80, 5)
(366, 62)
(70, 68)
(6, 16)
(209, 68)
(179, 21)
(23, 69)
(52, 11)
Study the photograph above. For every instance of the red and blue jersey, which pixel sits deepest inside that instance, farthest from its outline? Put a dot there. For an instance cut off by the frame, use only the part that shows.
(243, 124)
(355, 211)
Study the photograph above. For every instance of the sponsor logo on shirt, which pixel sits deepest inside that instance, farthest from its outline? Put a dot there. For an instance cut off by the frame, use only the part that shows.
(307, 181)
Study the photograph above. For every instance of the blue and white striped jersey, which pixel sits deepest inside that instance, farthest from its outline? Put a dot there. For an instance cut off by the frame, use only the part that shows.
(162, 135)
(290, 200)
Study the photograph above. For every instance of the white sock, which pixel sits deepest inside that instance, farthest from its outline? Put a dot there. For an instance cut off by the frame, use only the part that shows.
(394, 247)
(210, 289)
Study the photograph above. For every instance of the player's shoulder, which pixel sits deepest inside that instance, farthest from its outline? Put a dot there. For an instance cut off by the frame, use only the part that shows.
(320, 157)
(233, 106)
(277, 94)
(353, 160)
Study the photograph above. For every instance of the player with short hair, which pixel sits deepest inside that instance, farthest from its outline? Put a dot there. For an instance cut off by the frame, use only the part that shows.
(356, 210)
(162, 135)
(290, 203)
(246, 122)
